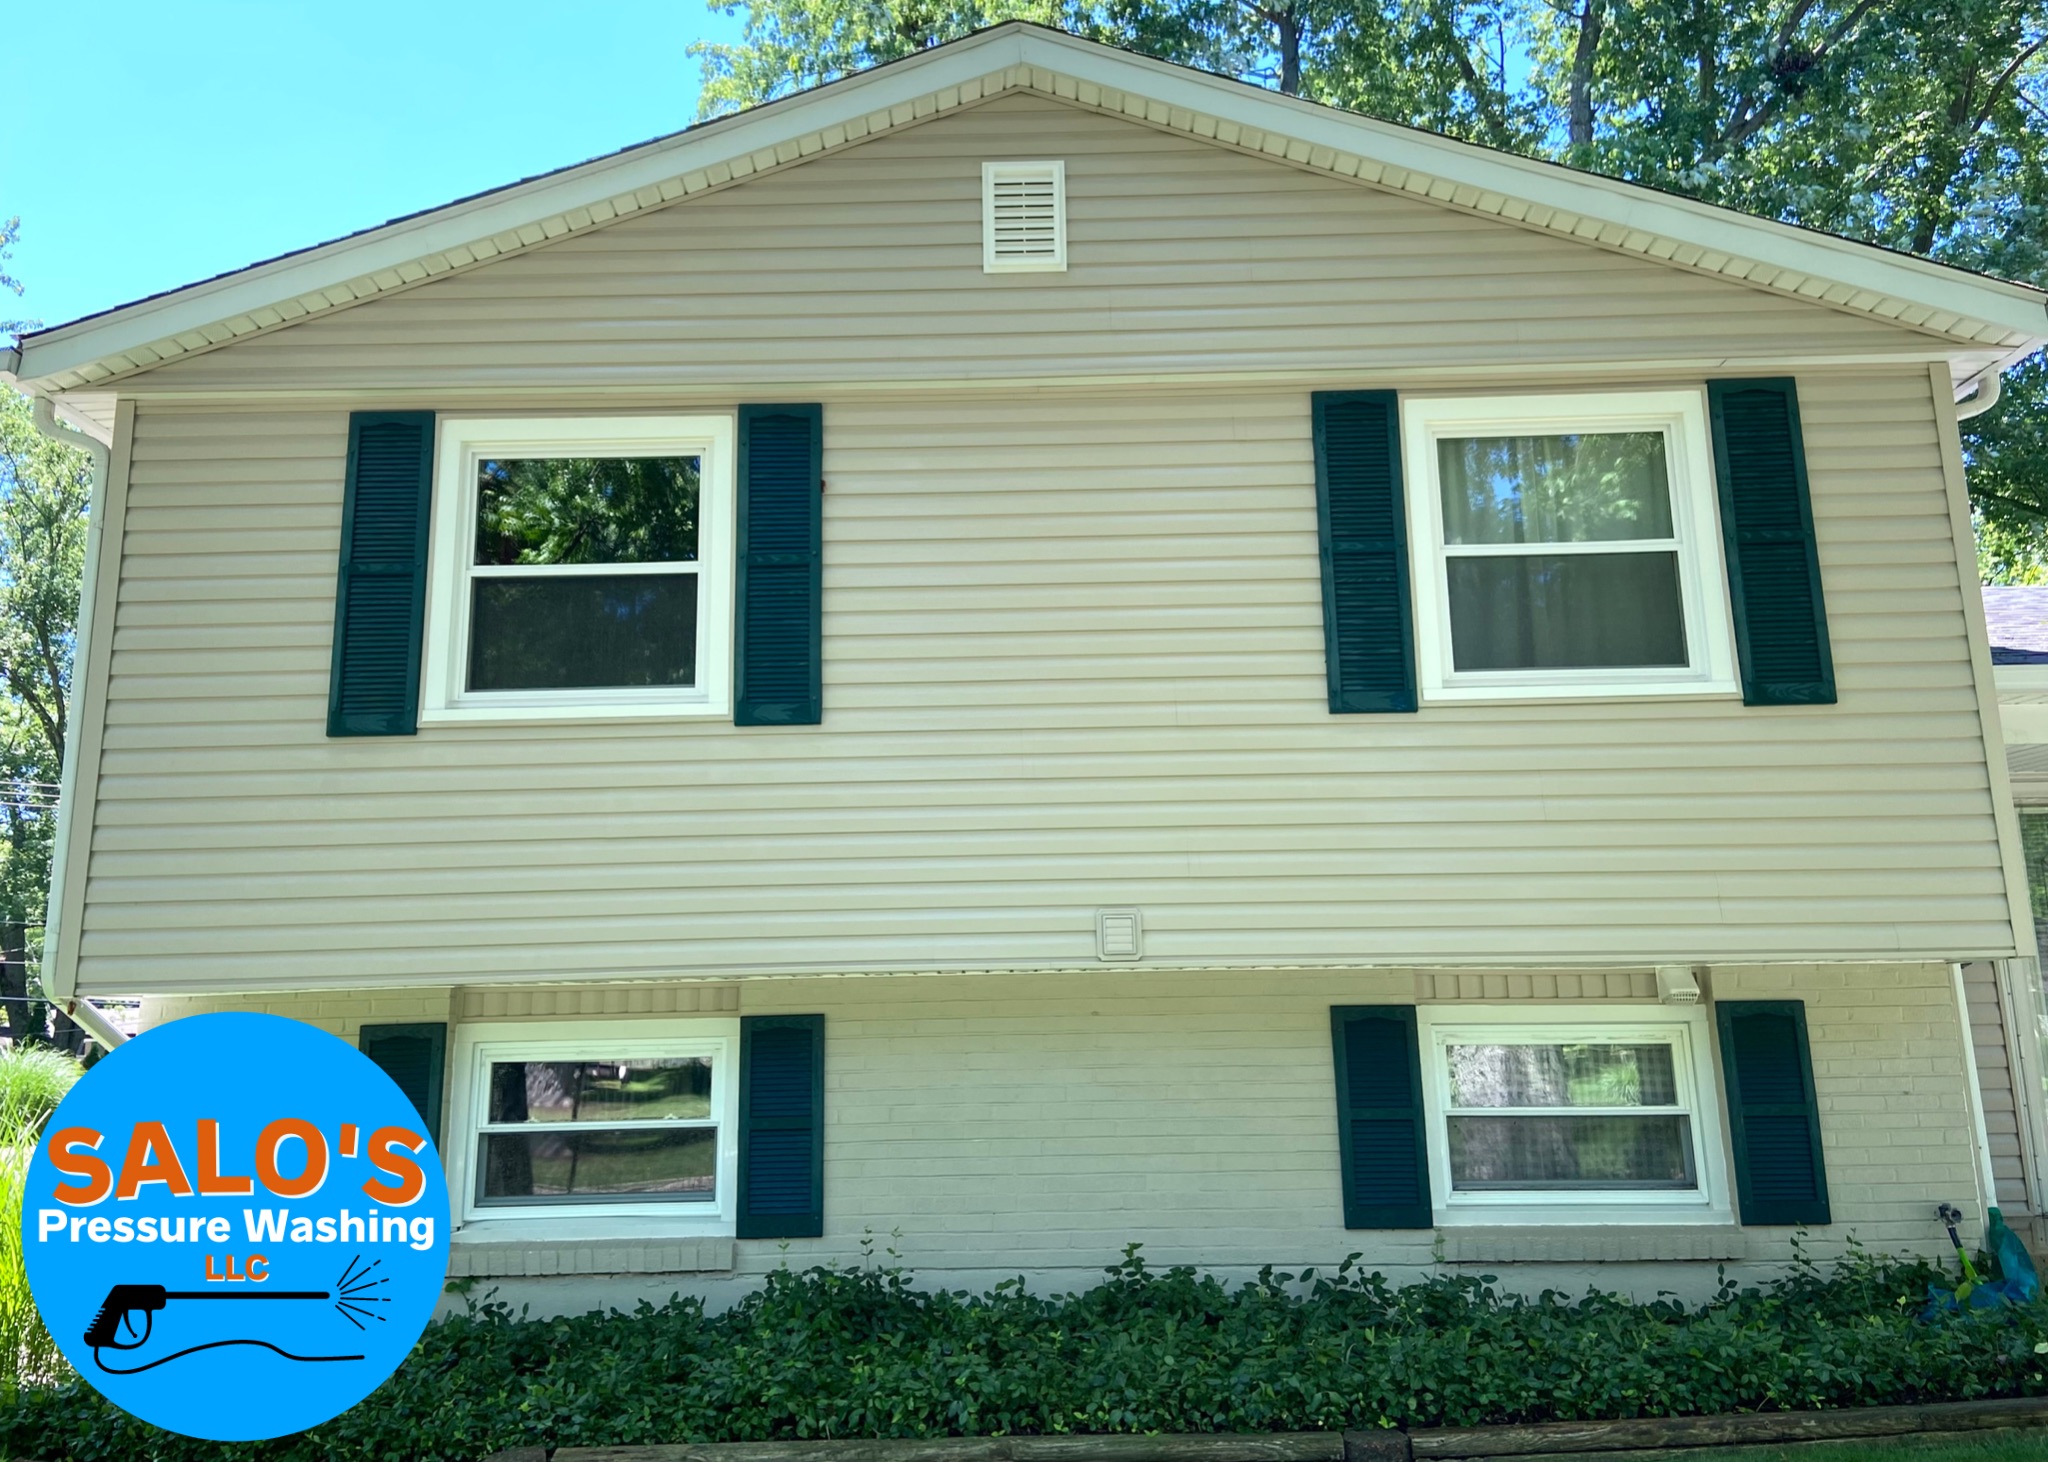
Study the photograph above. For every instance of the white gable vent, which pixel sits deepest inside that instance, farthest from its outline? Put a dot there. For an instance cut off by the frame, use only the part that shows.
(1023, 216)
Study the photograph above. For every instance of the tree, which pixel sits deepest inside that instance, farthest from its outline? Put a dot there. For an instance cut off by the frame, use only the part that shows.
(1916, 124)
(45, 489)
(10, 231)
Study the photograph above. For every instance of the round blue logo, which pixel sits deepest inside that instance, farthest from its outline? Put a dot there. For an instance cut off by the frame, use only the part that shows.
(236, 1226)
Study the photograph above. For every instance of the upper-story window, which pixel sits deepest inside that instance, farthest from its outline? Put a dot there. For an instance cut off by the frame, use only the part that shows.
(1566, 546)
(581, 567)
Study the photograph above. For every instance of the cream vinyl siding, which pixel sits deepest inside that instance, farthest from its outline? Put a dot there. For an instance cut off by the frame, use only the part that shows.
(1995, 1084)
(866, 266)
(1073, 659)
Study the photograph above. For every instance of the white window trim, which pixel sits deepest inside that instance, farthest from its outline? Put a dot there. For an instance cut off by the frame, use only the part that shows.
(1703, 581)
(1440, 1026)
(991, 174)
(477, 1045)
(464, 441)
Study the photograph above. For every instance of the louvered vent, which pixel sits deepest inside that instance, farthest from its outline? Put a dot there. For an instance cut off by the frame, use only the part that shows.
(1023, 217)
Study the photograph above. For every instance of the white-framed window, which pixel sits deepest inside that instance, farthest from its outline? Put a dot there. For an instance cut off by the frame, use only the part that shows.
(628, 1121)
(1566, 546)
(581, 567)
(1574, 1115)
(1023, 217)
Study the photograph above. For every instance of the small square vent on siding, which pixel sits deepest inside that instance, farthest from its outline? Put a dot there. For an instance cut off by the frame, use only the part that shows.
(1023, 217)
(1119, 934)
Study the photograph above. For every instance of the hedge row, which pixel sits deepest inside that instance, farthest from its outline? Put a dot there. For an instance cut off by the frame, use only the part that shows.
(862, 1353)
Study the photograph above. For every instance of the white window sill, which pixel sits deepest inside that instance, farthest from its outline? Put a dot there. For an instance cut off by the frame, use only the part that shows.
(1553, 692)
(540, 715)
(1519, 1212)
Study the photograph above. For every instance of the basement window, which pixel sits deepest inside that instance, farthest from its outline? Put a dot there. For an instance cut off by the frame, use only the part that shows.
(1563, 1116)
(1023, 217)
(600, 1120)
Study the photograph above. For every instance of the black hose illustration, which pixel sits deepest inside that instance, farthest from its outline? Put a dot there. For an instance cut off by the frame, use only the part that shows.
(124, 1301)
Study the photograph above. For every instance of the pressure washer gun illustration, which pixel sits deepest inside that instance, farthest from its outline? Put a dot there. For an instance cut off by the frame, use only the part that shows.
(125, 1301)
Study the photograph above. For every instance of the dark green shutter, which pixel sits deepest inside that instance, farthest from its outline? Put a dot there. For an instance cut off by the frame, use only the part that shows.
(1368, 624)
(1781, 624)
(779, 681)
(380, 597)
(782, 1127)
(1379, 1117)
(412, 1056)
(1773, 1119)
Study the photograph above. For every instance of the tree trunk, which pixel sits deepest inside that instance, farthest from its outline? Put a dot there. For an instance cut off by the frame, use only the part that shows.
(1289, 23)
(24, 1023)
(1592, 21)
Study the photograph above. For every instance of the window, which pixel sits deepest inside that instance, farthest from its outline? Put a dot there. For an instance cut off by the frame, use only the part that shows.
(1023, 217)
(1543, 1117)
(617, 1120)
(581, 567)
(1566, 545)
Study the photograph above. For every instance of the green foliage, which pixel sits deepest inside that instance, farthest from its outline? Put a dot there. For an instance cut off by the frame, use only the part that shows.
(45, 489)
(32, 1082)
(831, 1353)
(1917, 124)
(587, 510)
(10, 232)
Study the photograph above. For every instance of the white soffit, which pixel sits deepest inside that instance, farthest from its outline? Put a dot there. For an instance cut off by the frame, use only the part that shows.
(1984, 318)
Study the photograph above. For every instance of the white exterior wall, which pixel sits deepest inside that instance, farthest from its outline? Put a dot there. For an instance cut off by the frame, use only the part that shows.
(985, 1126)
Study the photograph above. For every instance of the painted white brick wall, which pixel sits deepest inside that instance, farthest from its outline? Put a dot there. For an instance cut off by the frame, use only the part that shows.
(985, 1125)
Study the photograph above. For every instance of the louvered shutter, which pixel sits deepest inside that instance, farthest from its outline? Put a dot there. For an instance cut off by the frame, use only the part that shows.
(412, 1056)
(1380, 1137)
(1773, 1118)
(373, 686)
(779, 679)
(782, 1127)
(1781, 623)
(1368, 623)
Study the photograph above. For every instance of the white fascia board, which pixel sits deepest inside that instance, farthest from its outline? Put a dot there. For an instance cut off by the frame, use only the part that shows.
(1625, 205)
(510, 209)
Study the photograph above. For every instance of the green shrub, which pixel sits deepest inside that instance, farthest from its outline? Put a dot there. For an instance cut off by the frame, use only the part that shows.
(860, 1353)
(32, 1082)
(33, 1079)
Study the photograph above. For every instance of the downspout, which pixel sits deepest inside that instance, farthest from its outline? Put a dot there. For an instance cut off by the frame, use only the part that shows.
(82, 1011)
(1980, 401)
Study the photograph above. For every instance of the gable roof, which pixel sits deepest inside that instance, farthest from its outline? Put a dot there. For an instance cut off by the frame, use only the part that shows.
(1979, 322)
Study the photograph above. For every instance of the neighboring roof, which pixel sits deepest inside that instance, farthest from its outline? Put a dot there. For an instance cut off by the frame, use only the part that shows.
(2018, 619)
(1980, 321)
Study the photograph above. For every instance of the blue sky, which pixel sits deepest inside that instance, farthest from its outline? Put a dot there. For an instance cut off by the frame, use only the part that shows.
(160, 143)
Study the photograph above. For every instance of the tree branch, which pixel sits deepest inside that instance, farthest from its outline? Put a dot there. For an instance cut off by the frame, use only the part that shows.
(2012, 70)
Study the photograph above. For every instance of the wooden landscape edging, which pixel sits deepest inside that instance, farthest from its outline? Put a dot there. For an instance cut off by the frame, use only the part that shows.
(1619, 1440)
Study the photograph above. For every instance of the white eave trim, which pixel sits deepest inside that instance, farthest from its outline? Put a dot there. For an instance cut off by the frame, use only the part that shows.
(2000, 319)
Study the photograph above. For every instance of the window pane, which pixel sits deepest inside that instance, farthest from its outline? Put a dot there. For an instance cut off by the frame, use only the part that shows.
(593, 510)
(572, 633)
(1618, 1152)
(1580, 1075)
(1565, 611)
(645, 1090)
(1595, 487)
(592, 1166)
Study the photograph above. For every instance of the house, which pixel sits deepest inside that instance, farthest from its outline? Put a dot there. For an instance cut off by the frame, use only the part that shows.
(1034, 650)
